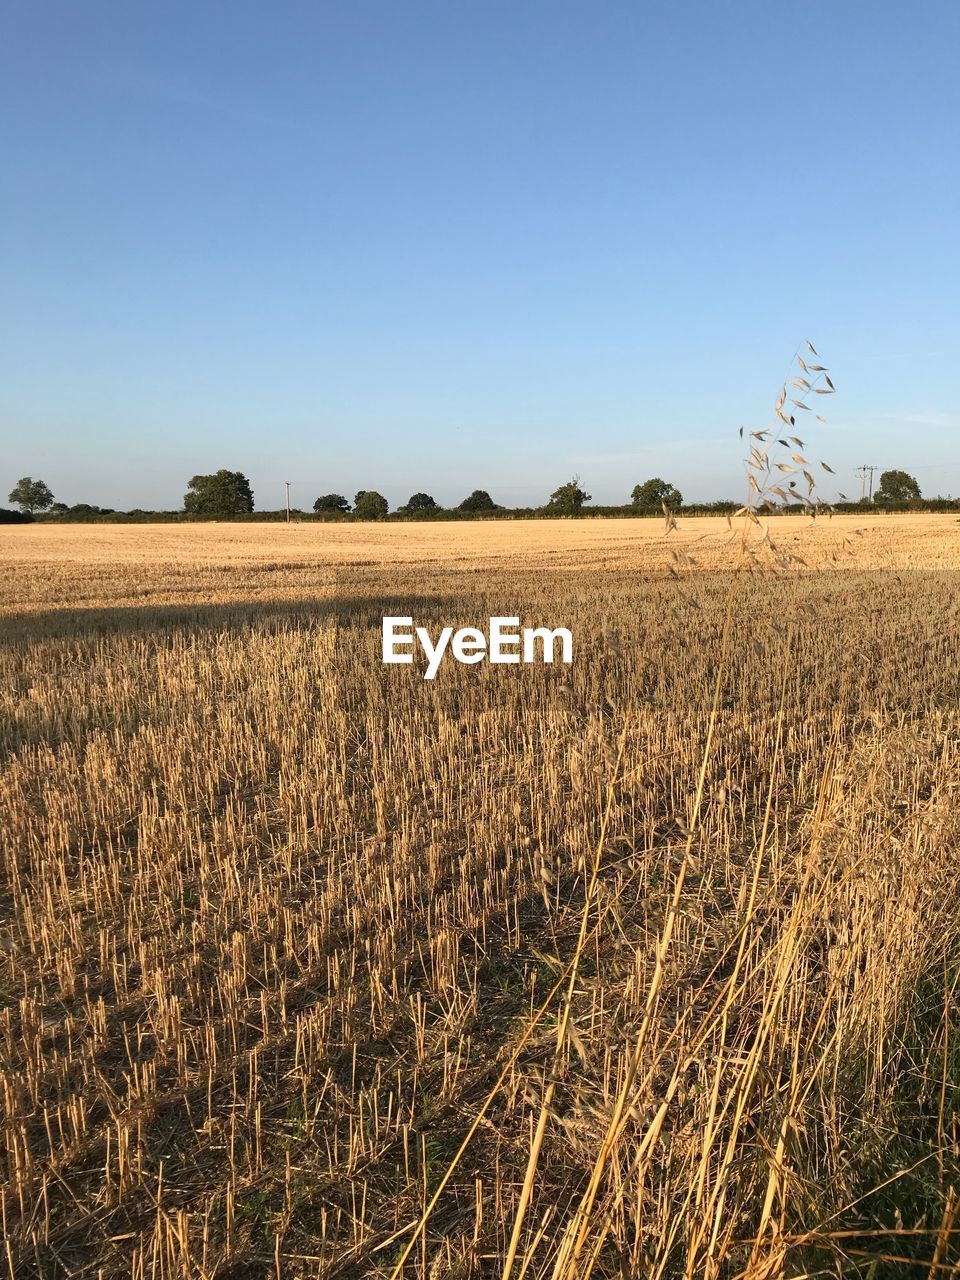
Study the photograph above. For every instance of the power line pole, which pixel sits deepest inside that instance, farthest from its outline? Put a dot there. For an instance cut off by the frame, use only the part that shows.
(863, 472)
(287, 483)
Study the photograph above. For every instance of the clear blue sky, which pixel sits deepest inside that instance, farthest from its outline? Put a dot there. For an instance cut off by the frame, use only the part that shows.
(439, 246)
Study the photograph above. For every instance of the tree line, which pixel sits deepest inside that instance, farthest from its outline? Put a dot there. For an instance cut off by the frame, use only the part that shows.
(228, 493)
(225, 494)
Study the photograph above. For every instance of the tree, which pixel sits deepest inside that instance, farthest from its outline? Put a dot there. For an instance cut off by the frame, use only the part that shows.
(370, 505)
(479, 500)
(332, 502)
(225, 493)
(895, 486)
(31, 495)
(86, 509)
(420, 502)
(654, 494)
(568, 500)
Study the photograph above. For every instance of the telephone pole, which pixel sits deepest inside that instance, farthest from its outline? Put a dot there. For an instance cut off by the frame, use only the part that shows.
(287, 483)
(863, 472)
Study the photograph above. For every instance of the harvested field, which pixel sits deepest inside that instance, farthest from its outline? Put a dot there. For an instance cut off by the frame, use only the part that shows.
(55, 564)
(671, 934)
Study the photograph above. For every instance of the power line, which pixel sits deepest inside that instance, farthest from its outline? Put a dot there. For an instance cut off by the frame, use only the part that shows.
(863, 472)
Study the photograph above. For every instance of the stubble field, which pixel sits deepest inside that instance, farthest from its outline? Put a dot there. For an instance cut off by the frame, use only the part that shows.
(644, 966)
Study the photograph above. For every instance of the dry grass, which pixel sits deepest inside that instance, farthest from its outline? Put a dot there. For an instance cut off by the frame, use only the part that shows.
(55, 565)
(275, 919)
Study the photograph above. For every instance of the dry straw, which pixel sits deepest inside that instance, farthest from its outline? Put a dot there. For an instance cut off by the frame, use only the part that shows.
(645, 966)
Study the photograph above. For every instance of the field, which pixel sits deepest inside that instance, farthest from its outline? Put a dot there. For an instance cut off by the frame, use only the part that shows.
(644, 966)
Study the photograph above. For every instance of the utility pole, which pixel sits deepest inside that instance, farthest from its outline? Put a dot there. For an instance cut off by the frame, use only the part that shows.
(287, 483)
(863, 472)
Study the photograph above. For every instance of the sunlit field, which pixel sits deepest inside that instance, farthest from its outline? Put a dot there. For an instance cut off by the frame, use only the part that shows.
(642, 966)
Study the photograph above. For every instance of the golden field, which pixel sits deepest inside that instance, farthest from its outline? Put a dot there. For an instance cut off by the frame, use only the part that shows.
(52, 564)
(644, 966)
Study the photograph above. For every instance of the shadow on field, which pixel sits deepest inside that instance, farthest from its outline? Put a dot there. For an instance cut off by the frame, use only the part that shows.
(73, 622)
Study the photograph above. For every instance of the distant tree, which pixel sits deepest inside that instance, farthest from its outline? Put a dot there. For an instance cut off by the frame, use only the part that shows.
(225, 493)
(332, 502)
(88, 509)
(653, 494)
(894, 486)
(569, 498)
(479, 500)
(14, 517)
(370, 505)
(720, 507)
(31, 495)
(58, 508)
(420, 502)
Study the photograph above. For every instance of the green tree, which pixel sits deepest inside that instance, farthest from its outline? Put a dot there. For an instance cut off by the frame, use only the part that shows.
(225, 493)
(479, 500)
(31, 495)
(332, 502)
(568, 499)
(654, 494)
(88, 509)
(370, 505)
(420, 502)
(894, 486)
